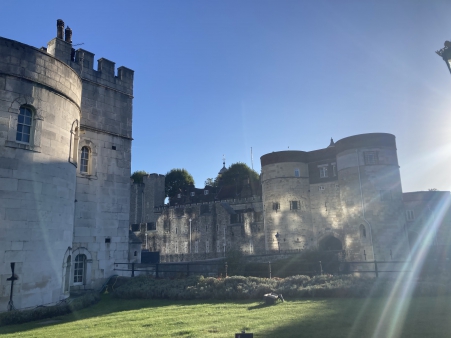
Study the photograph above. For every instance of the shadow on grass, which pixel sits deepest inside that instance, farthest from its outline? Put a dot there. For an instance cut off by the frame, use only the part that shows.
(259, 306)
(106, 306)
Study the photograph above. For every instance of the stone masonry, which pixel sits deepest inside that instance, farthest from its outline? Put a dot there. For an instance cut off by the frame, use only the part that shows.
(65, 154)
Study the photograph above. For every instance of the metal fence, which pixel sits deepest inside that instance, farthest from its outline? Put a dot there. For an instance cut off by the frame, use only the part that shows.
(264, 269)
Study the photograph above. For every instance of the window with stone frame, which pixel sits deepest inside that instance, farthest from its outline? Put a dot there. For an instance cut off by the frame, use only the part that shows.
(362, 229)
(237, 218)
(79, 269)
(151, 226)
(207, 246)
(275, 206)
(24, 125)
(294, 205)
(218, 246)
(334, 169)
(84, 160)
(410, 215)
(371, 157)
(297, 172)
(323, 172)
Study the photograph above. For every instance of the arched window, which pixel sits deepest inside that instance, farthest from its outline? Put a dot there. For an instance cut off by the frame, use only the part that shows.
(24, 125)
(84, 163)
(79, 269)
(362, 231)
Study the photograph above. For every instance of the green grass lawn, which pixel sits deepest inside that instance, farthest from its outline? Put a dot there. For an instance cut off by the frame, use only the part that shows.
(423, 317)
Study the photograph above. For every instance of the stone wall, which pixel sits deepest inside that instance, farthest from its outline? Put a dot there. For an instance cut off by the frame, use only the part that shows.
(103, 191)
(37, 178)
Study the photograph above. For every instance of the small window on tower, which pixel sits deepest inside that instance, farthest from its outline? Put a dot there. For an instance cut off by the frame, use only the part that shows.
(410, 216)
(323, 172)
(297, 173)
(276, 206)
(293, 205)
(206, 192)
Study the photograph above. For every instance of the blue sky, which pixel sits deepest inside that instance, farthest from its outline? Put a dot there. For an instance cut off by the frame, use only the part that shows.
(220, 77)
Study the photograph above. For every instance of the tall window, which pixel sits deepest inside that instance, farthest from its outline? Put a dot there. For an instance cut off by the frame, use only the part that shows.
(24, 124)
(79, 269)
(207, 246)
(297, 173)
(410, 216)
(293, 205)
(362, 231)
(275, 206)
(334, 169)
(323, 172)
(84, 160)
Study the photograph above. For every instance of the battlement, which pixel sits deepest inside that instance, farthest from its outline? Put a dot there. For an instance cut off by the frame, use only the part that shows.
(82, 61)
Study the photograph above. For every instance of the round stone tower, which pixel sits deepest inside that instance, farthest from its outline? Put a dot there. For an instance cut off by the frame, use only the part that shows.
(286, 203)
(39, 119)
(371, 197)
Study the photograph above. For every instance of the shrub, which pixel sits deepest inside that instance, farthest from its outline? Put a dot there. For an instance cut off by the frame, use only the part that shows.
(239, 287)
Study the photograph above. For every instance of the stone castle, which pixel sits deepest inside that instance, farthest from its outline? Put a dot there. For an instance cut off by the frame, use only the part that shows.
(69, 215)
(65, 155)
(346, 198)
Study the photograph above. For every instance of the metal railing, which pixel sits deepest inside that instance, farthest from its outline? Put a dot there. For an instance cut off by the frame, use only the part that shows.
(264, 269)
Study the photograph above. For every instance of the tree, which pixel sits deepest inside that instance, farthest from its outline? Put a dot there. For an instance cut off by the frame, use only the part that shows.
(211, 182)
(237, 173)
(177, 180)
(138, 175)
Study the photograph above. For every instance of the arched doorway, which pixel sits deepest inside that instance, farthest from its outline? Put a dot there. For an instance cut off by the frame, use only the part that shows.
(330, 243)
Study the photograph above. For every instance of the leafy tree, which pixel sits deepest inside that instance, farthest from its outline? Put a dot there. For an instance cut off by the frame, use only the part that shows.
(177, 180)
(138, 175)
(211, 182)
(237, 173)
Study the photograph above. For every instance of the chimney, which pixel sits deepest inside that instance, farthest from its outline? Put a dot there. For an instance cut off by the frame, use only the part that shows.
(68, 35)
(59, 28)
